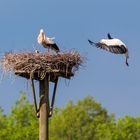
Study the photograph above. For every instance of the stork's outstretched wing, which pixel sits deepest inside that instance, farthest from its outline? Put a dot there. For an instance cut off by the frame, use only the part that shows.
(117, 49)
(111, 48)
(99, 45)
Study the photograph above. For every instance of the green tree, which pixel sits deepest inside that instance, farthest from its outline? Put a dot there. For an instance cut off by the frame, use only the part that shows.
(78, 121)
(3, 125)
(21, 123)
(128, 128)
(84, 120)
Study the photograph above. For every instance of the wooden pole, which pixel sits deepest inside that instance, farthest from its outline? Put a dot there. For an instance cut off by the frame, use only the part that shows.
(44, 109)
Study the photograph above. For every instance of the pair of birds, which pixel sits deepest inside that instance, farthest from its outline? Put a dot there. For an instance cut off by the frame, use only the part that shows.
(110, 44)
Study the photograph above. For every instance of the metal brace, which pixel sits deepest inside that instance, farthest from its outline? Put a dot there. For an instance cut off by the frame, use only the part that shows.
(53, 97)
(34, 97)
(52, 101)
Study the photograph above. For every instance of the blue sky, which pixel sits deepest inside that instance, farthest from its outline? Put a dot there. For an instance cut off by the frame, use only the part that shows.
(104, 75)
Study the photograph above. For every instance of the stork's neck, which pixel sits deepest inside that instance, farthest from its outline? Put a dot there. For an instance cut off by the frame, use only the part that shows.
(43, 35)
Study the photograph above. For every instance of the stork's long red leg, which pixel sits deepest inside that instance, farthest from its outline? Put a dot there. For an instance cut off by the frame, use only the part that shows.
(126, 62)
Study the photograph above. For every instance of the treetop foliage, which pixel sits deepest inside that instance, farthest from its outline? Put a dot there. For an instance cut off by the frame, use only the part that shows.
(84, 120)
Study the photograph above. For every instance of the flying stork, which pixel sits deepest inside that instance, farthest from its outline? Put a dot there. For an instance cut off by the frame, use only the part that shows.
(47, 42)
(112, 45)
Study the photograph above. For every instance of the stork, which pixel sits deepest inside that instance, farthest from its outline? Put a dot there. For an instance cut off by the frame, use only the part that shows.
(47, 42)
(112, 45)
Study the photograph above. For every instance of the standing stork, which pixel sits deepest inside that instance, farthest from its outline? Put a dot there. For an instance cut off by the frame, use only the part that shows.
(47, 42)
(112, 45)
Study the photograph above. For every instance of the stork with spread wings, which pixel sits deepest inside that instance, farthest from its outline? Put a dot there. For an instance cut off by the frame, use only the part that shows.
(112, 45)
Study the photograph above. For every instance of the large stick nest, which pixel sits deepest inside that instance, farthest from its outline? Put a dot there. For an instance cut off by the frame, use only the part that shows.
(63, 64)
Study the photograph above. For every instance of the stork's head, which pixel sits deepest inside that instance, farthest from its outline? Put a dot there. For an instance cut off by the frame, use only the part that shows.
(41, 30)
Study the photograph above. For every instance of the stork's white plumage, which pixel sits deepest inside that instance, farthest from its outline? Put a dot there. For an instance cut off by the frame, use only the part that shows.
(112, 45)
(47, 42)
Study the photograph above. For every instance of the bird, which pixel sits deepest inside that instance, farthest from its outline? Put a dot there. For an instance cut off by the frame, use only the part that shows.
(36, 51)
(112, 45)
(47, 42)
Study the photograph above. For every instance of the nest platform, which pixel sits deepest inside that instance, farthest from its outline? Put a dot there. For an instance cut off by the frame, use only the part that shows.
(37, 65)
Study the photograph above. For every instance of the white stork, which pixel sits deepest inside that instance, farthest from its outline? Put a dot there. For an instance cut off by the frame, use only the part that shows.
(47, 42)
(112, 45)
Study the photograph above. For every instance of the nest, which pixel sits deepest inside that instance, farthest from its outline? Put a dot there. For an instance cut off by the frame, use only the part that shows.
(37, 65)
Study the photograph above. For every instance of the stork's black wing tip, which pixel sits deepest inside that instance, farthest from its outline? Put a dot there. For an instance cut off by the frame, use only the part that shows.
(109, 36)
(90, 41)
(56, 48)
